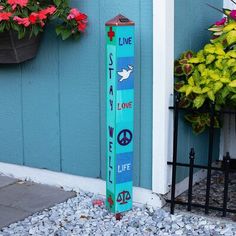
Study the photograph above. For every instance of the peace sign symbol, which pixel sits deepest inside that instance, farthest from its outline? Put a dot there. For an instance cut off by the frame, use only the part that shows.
(124, 137)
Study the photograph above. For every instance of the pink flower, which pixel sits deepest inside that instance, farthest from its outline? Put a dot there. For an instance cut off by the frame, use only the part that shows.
(73, 13)
(5, 15)
(47, 11)
(14, 3)
(80, 18)
(81, 26)
(1, 8)
(22, 21)
(221, 22)
(233, 14)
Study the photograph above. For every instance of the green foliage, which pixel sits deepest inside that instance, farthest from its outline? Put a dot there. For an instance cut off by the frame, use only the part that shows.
(208, 76)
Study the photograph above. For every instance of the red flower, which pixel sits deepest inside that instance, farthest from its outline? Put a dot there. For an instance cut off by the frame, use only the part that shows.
(73, 13)
(81, 26)
(22, 21)
(42, 15)
(48, 11)
(33, 18)
(5, 15)
(80, 18)
(14, 3)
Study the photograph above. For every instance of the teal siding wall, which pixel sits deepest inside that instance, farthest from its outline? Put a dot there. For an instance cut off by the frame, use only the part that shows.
(52, 109)
(192, 18)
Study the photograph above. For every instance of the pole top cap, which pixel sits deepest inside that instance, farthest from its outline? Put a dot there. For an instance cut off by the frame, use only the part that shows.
(119, 20)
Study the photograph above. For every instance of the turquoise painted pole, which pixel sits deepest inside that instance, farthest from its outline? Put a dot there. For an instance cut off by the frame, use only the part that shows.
(120, 113)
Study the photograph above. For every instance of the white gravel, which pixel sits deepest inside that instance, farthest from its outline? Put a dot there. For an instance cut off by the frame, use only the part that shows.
(78, 216)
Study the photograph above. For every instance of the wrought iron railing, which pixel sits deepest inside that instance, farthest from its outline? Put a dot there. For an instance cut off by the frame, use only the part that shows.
(225, 168)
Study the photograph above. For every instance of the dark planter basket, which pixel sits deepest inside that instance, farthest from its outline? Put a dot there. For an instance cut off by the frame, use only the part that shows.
(14, 50)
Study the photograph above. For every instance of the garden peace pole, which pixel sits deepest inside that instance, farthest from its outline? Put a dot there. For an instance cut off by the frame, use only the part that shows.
(120, 113)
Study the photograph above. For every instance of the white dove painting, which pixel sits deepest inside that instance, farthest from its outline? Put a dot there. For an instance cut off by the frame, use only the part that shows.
(125, 74)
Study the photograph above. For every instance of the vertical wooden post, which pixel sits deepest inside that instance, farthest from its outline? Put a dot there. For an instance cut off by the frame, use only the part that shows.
(120, 113)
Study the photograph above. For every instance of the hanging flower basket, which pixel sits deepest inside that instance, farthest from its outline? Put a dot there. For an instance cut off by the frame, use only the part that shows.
(21, 21)
(14, 50)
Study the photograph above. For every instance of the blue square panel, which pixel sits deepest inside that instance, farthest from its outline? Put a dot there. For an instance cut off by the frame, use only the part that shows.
(124, 167)
(125, 73)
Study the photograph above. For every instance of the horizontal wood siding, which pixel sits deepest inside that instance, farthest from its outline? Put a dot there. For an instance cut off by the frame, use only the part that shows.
(52, 112)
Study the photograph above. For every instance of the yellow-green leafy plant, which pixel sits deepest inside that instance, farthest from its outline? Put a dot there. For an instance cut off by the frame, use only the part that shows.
(209, 76)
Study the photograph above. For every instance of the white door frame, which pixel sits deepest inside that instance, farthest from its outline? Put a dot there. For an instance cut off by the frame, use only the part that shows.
(163, 61)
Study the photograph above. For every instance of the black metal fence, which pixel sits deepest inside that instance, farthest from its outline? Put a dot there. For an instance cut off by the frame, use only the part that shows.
(225, 168)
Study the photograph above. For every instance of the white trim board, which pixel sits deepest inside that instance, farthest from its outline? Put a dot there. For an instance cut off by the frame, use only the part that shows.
(163, 61)
(76, 183)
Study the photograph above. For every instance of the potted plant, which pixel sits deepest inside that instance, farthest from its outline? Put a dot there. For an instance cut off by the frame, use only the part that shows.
(22, 21)
(209, 76)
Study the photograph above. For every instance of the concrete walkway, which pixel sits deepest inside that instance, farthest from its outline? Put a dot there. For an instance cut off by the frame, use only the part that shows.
(19, 199)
